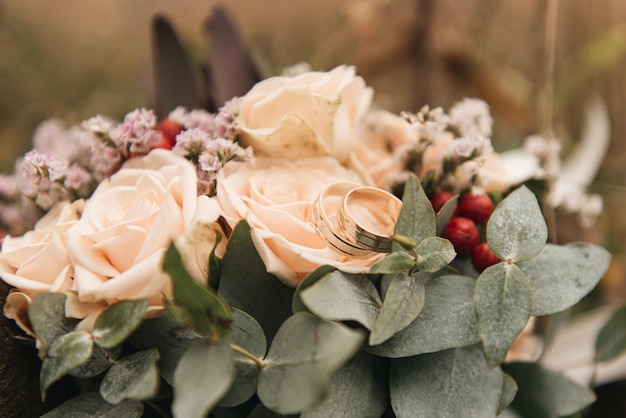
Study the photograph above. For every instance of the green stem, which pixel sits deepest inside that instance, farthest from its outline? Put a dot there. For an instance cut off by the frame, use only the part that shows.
(257, 361)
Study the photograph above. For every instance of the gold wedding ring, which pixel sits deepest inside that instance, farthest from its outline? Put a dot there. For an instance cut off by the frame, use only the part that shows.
(356, 220)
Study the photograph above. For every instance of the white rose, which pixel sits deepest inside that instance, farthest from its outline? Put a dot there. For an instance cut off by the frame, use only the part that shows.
(312, 114)
(117, 246)
(276, 197)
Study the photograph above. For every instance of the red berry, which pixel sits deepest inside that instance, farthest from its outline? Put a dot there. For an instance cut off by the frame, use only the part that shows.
(483, 257)
(439, 199)
(477, 207)
(463, 234)
(169, 130)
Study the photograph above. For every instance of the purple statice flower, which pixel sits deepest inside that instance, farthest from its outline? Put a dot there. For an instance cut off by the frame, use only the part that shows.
(104, 161)
(225, 119)
(43, 175)
(217, 153)
(79, 180)
(38, 165)
(191, 143)
(196, 118)
(136, 135)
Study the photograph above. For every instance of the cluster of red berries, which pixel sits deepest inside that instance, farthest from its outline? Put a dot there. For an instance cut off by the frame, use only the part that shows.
(462, 230)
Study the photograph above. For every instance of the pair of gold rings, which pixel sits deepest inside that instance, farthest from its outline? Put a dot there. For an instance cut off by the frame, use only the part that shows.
(356, 220)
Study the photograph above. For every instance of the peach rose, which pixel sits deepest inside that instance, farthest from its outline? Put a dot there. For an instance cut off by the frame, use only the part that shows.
(312, 114)
(118, 244)
(276, 197)
(38, 261)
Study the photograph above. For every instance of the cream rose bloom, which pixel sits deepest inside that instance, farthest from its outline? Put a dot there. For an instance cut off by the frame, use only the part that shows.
(312, 114)
(38, 261)
(117, 246)
(275, 196)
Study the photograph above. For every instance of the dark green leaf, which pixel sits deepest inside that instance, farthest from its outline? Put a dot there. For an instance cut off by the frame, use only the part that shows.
(312, 277)
(560, 276)
(544, 393)
(67, 352)
(260, 411)
(118, 321)
(417, 217)
(503, 302)
(247, 333)
(404, 300)
(47, 316)
(447, 320)
(340, 296)
(356, 390)
(193, 304)
(451, 383)
(215, 264)
(516, 230)
(611, 341)
(445, 214)
(434, 253)
(100, 360)
(91, 405)
(304, 355)
(245, 284)
(509, 390)
(133, 377)
(204, 374)
(395, 262)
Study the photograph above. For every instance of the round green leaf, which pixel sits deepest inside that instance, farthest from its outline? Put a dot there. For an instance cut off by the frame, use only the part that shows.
(450, 383)
(340, 296)
(404, 300)
(133, 377)
(92, 405)
(204, 374)
(47, 317)
(66, 353)
(544, 393)
(100, 360)
(434, 253)
(560, 276)
(503, 302)
(118, 321)
(312, 277)
(304, 355)
(247, 333)
(516, 230)
(447, 320)
(395, 262)
(356, 390)
(445, 214)
(417, 217)
(611, 341)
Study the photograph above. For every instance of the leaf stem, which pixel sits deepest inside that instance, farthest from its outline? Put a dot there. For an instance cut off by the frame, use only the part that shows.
(257, 361)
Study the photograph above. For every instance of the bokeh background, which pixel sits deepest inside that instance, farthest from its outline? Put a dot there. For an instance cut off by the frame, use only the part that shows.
(72, 59)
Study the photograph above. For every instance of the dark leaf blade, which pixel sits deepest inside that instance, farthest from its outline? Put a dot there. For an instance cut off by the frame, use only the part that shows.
(118, 321)
(417, 217)
(66, 353)
(47, 316)
(611, 341)
(175, 79)
(92, 405)
(311, 278)
(135, 376)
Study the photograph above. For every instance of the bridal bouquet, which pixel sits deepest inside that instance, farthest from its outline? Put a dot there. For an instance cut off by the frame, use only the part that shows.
(297, 252)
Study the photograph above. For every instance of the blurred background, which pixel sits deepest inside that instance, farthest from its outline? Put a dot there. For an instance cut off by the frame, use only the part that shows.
(73, 59)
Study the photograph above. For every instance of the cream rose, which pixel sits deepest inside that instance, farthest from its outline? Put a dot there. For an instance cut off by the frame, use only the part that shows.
(312, 114)
(38, 261)
(276, 197)
(118, 244)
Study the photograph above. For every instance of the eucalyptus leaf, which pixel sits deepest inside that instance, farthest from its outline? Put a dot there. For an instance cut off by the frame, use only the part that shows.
(509, 390)
(135, 376)
(248, 334)
(503, 302)
(356, 390)
(417, 217)
(404, 300)
(46, 313)
(118, 321)
(171, 338)
(560, 276)
(450, 383)
(100, 360)
(312, 277)
(516, 230)
(91, 405)
(340, 296)
(544, 393)
(394, 262)
(300, 363)
(448, 320)
(260, 411)
(204, 374)
(445, 214)
(611, 341)
(67, 352)
(193, 304)
(245, 283)
(434, 253)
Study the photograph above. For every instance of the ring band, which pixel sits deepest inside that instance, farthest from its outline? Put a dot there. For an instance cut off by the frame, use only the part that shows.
(329, 230)
(378, 208)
